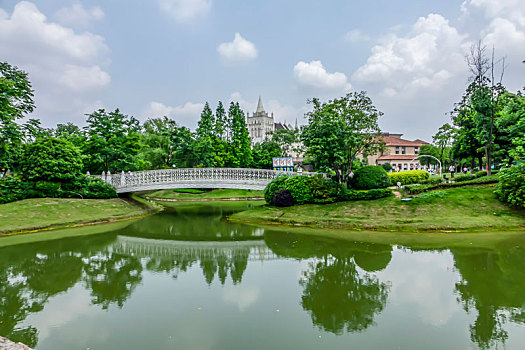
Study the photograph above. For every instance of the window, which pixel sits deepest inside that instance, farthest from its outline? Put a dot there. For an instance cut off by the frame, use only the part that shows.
(416, 150)
(403, 150)
(405, 166)
(397, 149)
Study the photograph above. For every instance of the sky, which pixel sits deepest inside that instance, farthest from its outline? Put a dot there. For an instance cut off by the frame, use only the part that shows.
(168, 57)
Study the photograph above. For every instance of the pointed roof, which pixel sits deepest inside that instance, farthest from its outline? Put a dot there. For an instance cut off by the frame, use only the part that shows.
(260, 107)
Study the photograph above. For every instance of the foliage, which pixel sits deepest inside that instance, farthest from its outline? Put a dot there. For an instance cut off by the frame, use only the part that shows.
(112, 142)
(239, 147)
(443, 139)
(51, 159)
(416, 189)
(376, 193)
(429, 150)
(14, 189)
(16, 101)
(370, 177)
(287, 141)
(272, 188)
(339, 130)
(299, 187)
(283, 198)
(466, 177)
(324, 189)
(386, 166)
(511, 186)
(433, 180)
(408, 177)
(263, 154)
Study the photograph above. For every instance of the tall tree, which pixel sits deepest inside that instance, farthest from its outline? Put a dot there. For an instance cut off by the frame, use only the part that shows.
(113, 142)
(16, 101)
(239, 150)
(443, 140)
(206, 123)
(341, 129)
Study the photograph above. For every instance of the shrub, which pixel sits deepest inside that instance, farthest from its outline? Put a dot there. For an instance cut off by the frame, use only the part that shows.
(408, 177)
(283, 198)
(480, 173)
(354, 195)
(386, 166)
(433, 180)
(511, 185)
(299, 188)
(272, 188)
(462, 178)
(323, 189)
(370, 177)
(416, 189)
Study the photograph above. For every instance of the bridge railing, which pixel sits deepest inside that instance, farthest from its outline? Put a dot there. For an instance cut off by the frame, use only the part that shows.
(193, 175)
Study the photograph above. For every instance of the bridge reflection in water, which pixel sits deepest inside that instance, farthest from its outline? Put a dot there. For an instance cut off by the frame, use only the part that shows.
(252, 250)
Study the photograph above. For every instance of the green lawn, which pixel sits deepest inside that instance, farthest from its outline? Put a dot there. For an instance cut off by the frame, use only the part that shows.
(30, 214)
(184, 194)
(457, 209)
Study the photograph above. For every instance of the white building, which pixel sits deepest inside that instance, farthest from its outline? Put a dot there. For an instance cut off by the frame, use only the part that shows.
(261, 124)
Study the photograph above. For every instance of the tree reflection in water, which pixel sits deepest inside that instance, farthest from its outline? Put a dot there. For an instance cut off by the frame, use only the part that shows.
(338, 297)
(493, 284)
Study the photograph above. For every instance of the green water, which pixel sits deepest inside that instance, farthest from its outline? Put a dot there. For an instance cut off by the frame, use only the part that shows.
(187, 279)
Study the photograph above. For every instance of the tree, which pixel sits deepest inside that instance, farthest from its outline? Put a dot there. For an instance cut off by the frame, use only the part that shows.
(113, 142)
(341, 129)
(16, 101)
(483, 95)
(51, 159)
(287, 141)
(443, 140)
(239, 146)
(263, 154)
(466, 144)
(206, 123)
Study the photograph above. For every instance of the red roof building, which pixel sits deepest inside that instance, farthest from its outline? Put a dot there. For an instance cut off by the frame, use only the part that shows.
(399, 152)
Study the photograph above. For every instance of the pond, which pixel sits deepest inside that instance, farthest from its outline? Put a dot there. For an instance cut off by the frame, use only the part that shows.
(188, 279)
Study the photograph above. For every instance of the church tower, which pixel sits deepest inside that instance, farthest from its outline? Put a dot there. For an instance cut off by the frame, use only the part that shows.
(260, 123)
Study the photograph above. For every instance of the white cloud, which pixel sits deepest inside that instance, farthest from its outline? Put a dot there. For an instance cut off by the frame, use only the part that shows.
(242, 297)
(78, 15)
(187, 115)
(66, 69)
(356, 36)
(239, 50)
(313, 74)
(185, 10)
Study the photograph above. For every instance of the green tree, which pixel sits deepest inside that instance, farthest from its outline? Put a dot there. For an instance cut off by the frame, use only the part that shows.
(16, 101)
(71, 132)
(206, 124)
(219, 140)
(263, 154)
(287, 141)
(112, 143)
(443, 140)
(51, 159)
(205, 137)
(466, 145)
(239, 147)
(341, 129)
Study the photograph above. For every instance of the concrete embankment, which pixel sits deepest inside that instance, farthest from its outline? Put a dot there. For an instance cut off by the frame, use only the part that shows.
(6, 344)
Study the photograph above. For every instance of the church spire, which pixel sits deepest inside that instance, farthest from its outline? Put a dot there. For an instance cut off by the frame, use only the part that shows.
(260, 107)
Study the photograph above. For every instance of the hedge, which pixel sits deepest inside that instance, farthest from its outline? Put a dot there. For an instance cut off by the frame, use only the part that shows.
(416, 189)
(463, 178)
(13, 189)
(370, 177)
(408, 177)
(354, 195)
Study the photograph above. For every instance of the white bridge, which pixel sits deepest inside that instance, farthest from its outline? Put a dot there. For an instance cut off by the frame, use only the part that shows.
(236, 178)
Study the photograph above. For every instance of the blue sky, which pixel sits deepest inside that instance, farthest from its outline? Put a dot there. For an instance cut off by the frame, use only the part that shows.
(167, 57)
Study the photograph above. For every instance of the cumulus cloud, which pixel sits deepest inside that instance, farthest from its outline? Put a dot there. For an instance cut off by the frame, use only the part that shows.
(187, 115)
(78, 15)
(65, 68)
(238, 50)
(185, 10)
(356, 36)
(313, 74)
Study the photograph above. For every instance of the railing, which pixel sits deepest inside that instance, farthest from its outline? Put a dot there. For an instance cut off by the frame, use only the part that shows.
(188, 177)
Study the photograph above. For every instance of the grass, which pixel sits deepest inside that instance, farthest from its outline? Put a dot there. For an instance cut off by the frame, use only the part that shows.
(452, 210)
(41, 213)
(191, 194)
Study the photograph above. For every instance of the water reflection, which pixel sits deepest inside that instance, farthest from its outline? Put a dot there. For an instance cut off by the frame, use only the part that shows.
(338, 297)
(493, 285)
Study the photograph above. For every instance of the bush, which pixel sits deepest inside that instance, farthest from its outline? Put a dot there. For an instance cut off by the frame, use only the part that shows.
(370, 177)
(416, 189)
(433, 180)
(462, 178)
(299, 188)
(386, 166)
(409, 177)
(511, 185)
(323, 189)
(283, 198)
(480, 173)
(272, 188)
(14, 189)
(354, 195)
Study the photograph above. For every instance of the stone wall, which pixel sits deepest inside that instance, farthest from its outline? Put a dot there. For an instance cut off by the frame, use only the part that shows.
(6, 344)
